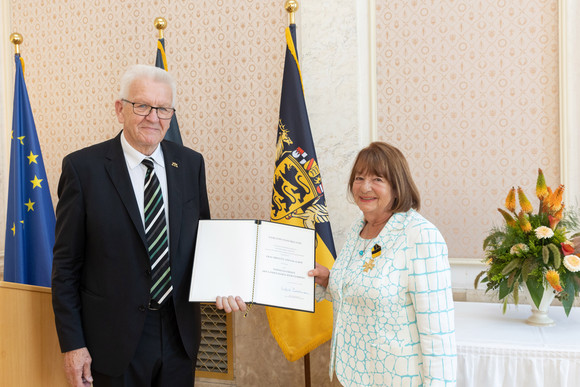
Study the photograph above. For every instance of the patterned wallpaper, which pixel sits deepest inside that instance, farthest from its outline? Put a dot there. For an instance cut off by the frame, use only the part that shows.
(227, 60)
(469, 91)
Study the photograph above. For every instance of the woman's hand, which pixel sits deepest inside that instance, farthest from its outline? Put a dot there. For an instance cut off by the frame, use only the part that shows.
(230, 304)
(320, 274)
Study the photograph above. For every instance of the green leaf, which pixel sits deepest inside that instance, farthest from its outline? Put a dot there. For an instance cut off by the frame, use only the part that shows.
(504, 306)
(536, 290)
(516, 292)
(568, 299)
(504, 289)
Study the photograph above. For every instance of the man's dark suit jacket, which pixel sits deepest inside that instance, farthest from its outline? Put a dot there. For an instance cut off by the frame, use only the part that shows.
(101, 272)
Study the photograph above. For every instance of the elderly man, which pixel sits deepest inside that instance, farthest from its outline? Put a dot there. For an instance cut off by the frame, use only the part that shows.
(126, 226)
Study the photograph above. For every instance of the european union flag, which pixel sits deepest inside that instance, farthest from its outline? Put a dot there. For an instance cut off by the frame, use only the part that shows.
(173, 133)
(298, 199)
(30, 217)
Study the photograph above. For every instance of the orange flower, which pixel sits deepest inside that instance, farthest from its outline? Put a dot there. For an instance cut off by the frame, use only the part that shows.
(541, 188)
(524, 202)
(546, 202)
(510, 201)
(524, 222)
(555, 199)
(560, 213)
(554, 279)
(567, 247)
(508, 218)
(553, 221)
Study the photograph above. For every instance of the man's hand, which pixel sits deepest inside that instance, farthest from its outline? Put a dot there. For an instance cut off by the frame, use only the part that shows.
(77, 366)
(229, 304)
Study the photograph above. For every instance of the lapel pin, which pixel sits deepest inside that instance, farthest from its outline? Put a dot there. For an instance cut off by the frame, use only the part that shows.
(174, 164)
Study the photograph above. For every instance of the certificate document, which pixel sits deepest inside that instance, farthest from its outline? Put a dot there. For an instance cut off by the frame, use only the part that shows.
(263, 262)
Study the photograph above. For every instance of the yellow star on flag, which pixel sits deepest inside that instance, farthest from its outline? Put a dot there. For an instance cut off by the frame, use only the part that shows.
(32, 158)
(21, 138)
(36, 182)
(13, 229)
(30, 205)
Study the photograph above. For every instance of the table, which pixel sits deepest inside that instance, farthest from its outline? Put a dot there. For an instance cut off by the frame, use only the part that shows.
(497, 350)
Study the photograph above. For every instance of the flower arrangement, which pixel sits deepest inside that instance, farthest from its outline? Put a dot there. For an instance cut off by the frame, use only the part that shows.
(534, 249)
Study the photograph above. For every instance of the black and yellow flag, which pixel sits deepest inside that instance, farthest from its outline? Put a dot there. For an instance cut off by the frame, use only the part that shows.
(173, 133)
(298, 199)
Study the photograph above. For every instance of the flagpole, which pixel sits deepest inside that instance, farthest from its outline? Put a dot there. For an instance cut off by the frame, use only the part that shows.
(160, 24)
(291, 6)
(16, 40)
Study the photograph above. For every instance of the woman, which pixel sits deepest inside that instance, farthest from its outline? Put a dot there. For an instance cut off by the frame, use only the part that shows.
(390, 285)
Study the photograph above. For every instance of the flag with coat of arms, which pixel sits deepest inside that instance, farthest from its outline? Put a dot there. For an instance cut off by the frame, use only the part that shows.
(298, 199)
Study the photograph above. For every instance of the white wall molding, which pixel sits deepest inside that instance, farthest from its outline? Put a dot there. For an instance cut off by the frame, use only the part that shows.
(464, 271)
(367, 71)
(466, 262)
(6, 96)
(569, 81)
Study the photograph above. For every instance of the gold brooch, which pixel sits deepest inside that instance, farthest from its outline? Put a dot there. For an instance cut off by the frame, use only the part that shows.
(370, 264)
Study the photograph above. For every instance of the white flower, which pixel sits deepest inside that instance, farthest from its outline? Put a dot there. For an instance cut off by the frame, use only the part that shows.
(544, 232)
(519, 248)
(572, 263)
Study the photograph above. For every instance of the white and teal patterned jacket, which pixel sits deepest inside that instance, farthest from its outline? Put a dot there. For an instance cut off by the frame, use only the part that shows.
(393, 325)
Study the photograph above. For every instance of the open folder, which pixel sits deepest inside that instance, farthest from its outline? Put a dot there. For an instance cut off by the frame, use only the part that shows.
(263, 262)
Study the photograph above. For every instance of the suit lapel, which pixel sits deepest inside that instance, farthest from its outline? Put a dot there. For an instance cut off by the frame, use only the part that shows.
(116, 167)
(175, 176)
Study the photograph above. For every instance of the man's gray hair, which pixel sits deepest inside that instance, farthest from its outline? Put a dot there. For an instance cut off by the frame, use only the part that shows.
(140, 71)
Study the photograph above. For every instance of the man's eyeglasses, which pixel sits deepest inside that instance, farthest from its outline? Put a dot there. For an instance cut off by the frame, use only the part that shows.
(144, 110)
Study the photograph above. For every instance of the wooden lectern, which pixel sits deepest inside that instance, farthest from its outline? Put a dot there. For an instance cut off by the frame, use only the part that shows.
(29, 350)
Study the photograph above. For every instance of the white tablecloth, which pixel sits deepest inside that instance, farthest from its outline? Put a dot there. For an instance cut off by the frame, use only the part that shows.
(497, 350)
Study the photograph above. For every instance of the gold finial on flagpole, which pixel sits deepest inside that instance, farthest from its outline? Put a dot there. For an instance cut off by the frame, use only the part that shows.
(160, 24)
(291, 7)
(16, 40)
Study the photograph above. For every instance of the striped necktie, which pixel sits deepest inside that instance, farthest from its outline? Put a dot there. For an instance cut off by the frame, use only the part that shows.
(156, 232)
